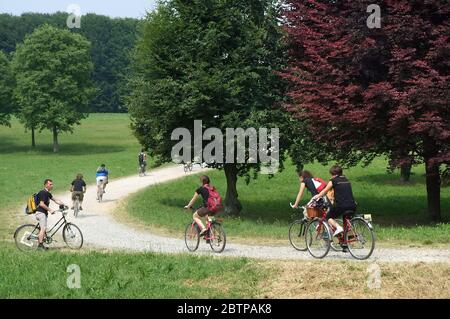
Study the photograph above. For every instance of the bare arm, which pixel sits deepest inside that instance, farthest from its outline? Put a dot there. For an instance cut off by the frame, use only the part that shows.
(324, 191)
(48, 209)
(300, 194)
(192, 202)
(57, 201)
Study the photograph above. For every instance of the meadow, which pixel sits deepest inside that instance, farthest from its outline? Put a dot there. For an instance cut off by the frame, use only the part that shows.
(398, 210)
(101, 138)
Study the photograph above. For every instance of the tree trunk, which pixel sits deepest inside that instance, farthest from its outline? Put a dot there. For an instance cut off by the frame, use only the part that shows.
(232, 204)
(405, 172)
(55, 140)
(433, 190)
(33, 140)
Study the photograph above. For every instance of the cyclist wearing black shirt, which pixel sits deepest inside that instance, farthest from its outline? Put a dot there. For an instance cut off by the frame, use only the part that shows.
(78, 189)
(44, 208)
(203, 210)
(343, 197)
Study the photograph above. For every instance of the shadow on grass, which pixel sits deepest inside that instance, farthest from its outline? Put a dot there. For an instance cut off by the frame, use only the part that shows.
(401, 211)
(9, 146)
(391, 180)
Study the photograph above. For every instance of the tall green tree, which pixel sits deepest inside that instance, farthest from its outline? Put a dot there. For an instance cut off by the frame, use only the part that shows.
(209, 60)
(112, 41)
(53, 80)
(6, 88)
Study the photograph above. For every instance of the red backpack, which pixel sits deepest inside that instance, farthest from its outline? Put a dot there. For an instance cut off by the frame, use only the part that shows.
(323, 184)
(214, 202)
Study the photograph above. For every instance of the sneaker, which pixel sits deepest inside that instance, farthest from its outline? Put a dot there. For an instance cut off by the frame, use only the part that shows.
(208, 241)
(202, 233)
(338, 231)
(81, 208)
(344, 248)
(42, 247)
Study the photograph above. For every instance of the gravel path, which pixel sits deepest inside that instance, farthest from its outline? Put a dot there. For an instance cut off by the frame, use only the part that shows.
(100, 230)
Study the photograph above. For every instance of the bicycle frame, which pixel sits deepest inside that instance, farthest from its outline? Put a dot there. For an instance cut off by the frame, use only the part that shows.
(346, 225)
(54, 226)
(208, 234)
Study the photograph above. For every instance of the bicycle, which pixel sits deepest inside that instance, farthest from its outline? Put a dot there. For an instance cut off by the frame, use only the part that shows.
(187, 167)
(358, 231)
(142, 167)
(297, 231)
(26, 236)
(100, 190)
(215, 235)
(76, 206)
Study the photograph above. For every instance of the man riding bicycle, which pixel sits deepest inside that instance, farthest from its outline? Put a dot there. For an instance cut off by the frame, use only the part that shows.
(102, 176)
(142, 158)
(343, 197)
(43, 209)
(78, 189)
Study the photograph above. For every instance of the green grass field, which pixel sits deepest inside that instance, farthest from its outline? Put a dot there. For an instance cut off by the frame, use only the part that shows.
(398, 210)
(124, 275)
(106, 138)
(101, 138)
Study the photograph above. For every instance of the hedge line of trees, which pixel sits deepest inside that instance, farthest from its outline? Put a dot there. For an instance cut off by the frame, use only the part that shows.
(111, 43)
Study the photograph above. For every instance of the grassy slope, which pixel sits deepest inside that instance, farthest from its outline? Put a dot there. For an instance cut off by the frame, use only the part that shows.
(102, 138)
(124, 275)
(397, 209)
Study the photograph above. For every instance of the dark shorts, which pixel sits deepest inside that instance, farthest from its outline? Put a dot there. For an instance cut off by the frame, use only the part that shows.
(76, 194)
(203, 211)
(336, 212)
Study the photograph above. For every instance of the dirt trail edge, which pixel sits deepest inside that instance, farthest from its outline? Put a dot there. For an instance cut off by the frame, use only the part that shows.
(101, 230)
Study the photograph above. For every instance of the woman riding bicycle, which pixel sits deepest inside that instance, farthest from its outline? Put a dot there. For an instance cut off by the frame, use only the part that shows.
(204, 210)
(313, 184)
(343, 194)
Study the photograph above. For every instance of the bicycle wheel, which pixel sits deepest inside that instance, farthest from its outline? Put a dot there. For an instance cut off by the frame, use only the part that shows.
(318, 238)
(26, 237)
(217, 238)
(72, 236)
(297, 232)
(360, 239)
(191, 236)
(76, 207)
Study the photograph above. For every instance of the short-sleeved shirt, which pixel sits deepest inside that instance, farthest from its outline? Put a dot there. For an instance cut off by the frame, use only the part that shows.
(44, 196)
(309, 183)
(205, 194)
(78, 185)
(101, 172)
(343, 194)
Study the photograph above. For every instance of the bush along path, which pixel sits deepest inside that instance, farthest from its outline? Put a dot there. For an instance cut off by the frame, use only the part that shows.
(102, 231)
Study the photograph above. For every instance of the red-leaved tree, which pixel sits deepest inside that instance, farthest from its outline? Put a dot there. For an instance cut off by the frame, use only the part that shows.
(374, 91)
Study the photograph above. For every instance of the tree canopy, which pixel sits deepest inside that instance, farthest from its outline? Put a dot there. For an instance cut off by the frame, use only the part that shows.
(371, 91)
(209, 60)
(6, 88)
(111, 43)
(53, 80)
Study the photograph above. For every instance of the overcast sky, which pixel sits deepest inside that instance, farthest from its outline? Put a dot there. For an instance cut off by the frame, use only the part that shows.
(112, 8)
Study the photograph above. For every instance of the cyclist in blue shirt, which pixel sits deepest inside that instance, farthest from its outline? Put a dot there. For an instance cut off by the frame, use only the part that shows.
(102, 176)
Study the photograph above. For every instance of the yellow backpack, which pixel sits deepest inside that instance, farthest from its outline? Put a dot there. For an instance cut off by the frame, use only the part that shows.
(32, 204)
